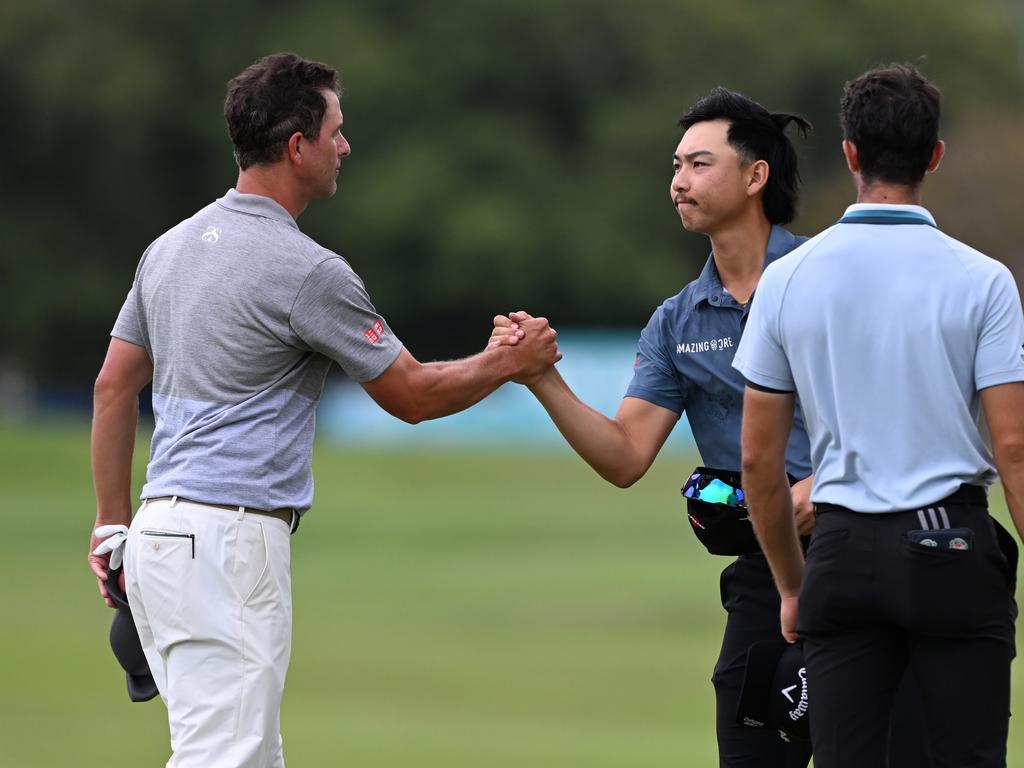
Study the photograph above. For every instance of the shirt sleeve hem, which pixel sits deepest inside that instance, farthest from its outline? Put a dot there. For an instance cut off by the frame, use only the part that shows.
(756, 377)
(123, 336)
(770, 390)
(655, 398)
(372, 373)
(995, 379)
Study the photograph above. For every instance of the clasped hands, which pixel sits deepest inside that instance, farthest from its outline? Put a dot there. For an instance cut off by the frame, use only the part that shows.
(534, 341)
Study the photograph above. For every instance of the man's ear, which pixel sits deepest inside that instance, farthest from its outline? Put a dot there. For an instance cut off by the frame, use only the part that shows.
(938, 153)
(294, 149)
(759, 172)
(850, 153)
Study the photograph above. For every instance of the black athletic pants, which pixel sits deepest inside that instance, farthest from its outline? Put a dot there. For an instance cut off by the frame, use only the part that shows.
(875, 604)
(752, 604)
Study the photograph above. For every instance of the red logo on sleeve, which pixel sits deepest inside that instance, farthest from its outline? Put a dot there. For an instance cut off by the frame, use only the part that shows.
(374, 332)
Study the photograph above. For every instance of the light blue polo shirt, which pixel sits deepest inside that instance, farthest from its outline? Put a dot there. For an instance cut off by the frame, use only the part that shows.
(684, 363)
(887, 329)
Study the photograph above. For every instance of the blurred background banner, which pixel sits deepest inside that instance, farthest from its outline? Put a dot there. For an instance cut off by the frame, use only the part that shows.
(467, 592)
(596, 364)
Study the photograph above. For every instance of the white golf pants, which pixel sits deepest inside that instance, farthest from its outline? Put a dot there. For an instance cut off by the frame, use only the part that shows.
(210, 590)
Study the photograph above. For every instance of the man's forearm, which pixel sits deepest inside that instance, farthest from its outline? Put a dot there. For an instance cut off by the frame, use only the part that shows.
(444, 388)
(602, 442)
(771, 512)
(1011, 474)
(767, 420)
(115, 418)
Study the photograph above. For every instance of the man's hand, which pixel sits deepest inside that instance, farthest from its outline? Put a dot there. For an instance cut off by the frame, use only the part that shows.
(536, 349)
(803, 509)
(98, 564)
(505, 332)
(787, 618)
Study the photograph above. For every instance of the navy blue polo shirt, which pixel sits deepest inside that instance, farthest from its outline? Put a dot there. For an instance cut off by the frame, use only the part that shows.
(684, 363)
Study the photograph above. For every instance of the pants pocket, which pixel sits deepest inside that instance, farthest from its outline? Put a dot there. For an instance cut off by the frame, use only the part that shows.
(952, 590)
(723, 584)
(249, 560)
(824, 580)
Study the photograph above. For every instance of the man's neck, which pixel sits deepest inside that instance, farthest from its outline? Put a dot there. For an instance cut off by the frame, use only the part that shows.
(262, 180)
(739, 253)
(879, 192)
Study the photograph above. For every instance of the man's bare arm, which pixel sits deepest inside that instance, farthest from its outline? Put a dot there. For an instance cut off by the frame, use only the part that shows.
(415, 391)
(1004, 414)
(767, 419)
(126, 370)
(620, 449)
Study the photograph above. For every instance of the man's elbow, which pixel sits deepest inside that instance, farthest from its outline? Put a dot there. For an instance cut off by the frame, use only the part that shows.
(754, 464)
(110, 387)
(410, 413)
(408, 408)
(622, 475)
(1009, 450)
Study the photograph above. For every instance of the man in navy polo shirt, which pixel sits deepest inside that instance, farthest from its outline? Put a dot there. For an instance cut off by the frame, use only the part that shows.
(734, 179)
(895, 337)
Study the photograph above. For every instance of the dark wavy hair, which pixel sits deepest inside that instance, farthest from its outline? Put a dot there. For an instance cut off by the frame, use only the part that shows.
(757, 134)
(272, 99)
(891, 114)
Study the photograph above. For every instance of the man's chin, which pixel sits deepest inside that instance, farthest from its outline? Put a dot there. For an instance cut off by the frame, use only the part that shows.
(691, 225)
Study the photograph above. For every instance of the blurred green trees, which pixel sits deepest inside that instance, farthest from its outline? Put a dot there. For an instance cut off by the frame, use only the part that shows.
(505, 154)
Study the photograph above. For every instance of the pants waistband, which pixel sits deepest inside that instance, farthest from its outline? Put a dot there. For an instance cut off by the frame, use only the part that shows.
(286, 515)
(971, 495)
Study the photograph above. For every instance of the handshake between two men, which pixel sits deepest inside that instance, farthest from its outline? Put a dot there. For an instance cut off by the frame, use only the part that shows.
(539, 353)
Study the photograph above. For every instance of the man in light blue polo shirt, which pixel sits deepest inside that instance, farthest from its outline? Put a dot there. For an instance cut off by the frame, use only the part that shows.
(895, 337)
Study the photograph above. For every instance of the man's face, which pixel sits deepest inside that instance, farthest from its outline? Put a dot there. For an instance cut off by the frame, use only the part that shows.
(709, 182)
(327, 150)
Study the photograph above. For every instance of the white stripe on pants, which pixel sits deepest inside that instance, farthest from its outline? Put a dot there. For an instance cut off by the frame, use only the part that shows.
(210, 590)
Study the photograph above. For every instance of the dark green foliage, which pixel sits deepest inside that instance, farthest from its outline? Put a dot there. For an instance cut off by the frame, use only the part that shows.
(505, 154)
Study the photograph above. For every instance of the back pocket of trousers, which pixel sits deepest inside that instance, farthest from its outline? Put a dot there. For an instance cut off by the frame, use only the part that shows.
(945, 588)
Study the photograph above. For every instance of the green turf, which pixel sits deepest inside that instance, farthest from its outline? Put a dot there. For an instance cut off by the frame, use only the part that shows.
(450, 610)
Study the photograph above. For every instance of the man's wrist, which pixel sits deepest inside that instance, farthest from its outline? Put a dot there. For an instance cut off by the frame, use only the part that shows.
(503, 358)
(107, 517)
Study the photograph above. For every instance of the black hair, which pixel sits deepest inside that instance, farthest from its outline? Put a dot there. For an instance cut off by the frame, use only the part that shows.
(271, 100)
(757, 134)
(891, 114)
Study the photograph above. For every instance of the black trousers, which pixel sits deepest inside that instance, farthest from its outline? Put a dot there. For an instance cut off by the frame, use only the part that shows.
(876, 605)
(752, 604)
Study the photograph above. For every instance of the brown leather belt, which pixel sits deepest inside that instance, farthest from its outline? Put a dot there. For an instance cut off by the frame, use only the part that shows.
(284, 514)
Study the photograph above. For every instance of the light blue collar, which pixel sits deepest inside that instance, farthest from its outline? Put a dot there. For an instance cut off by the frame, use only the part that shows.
(879, 213)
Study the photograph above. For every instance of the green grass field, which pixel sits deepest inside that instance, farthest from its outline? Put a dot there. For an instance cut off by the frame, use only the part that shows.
(500, 610)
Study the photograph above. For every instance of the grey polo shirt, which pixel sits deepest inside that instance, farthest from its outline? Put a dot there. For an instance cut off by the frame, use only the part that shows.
(684, 364)
(242, 315)
(887, 329)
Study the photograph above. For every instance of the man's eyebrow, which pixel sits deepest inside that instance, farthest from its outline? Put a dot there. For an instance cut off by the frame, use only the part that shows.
(696, 153)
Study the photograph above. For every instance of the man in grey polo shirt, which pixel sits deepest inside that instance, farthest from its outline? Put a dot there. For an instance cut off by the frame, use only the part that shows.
(236, 316)
(895, 337)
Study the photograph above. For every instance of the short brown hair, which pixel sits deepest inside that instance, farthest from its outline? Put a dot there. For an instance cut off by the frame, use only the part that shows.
(271, 100)
(891, 114)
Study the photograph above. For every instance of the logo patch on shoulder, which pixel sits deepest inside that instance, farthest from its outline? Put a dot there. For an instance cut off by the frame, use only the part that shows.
(374, 332)
(211, 235)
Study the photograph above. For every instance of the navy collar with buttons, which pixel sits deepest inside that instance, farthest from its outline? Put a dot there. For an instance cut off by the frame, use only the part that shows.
(685, 364)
